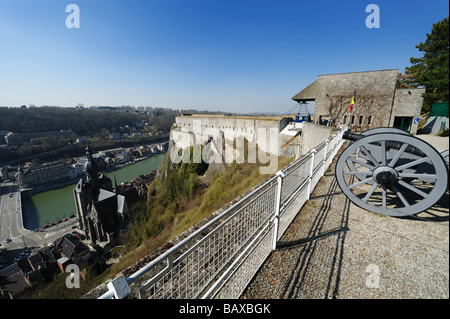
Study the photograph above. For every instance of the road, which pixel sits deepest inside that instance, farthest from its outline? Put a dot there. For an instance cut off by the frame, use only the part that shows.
(11, 226)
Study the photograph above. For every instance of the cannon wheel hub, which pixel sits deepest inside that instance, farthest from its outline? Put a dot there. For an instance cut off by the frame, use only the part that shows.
(385, 175)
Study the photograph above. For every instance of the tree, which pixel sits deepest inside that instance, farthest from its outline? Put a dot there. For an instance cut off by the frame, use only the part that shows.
(407, 80)
(431, 70)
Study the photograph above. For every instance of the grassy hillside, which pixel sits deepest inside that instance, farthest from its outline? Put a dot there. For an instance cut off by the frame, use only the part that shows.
(181, 200)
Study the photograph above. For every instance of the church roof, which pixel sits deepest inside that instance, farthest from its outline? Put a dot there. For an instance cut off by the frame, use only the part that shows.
(104, 194)
(122, 207)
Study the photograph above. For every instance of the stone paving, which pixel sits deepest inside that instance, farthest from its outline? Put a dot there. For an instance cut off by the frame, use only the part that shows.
(334, 249)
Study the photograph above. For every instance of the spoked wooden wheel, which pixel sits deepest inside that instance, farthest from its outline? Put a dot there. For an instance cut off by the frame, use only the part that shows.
(392, 174)
(445, 156)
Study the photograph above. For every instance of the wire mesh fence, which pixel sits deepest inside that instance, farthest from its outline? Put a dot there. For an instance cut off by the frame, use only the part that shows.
(221, 257)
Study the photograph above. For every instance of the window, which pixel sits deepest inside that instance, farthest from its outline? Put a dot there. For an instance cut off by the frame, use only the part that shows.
(345, 119)
(353, 120)
(360, 119)
(369, 119)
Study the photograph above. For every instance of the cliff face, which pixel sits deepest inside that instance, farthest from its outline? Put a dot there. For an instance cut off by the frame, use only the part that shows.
(164, 167)
(167, 166)
(203, 170)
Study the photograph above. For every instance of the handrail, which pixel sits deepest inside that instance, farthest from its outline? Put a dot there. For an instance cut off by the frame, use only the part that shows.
(184, 242)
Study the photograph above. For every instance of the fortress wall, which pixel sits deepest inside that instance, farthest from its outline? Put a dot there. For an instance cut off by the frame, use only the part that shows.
(314, 135)
(191, 130)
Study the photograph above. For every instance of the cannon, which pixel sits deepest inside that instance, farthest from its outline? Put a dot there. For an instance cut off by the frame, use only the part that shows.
(388, 171)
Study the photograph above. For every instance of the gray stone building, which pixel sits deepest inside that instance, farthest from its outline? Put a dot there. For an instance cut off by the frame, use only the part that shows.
(378, 103)
(13, 139)
(43, 176)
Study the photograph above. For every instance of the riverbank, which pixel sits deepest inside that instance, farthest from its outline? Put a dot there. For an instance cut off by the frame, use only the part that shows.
(28, 192)
(52, 205)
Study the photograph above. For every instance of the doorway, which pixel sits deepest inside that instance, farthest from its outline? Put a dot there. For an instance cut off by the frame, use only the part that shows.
(403, 122)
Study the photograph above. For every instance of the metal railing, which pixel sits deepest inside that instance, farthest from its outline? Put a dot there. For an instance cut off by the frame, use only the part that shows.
(220, 258)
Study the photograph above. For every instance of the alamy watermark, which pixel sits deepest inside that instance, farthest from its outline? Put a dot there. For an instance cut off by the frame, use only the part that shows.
(373, 280)
(73, 279)
(373, 19)
(226, 146)
(73, 19)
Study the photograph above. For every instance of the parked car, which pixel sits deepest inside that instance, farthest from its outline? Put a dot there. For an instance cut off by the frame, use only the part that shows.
(8, 240)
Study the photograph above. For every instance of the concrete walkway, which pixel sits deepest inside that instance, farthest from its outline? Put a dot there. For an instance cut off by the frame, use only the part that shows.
(438, 142)
(334, 249)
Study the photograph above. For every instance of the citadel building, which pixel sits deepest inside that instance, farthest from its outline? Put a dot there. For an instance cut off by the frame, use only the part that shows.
(378, 102)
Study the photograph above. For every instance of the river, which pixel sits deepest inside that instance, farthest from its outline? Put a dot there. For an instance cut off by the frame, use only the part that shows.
(50, 206)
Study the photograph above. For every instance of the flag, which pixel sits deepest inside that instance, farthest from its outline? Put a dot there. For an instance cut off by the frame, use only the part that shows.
(353, 100)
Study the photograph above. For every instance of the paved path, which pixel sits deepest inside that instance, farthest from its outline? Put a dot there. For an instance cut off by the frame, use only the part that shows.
(334, 249)
(438, 142)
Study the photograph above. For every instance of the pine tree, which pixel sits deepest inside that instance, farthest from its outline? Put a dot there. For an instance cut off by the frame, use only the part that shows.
(431, 70)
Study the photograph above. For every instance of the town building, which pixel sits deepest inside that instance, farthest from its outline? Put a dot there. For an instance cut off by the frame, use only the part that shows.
(17, 139)
(34, 177)
(12, 281)
(13, 139)
(43, 264)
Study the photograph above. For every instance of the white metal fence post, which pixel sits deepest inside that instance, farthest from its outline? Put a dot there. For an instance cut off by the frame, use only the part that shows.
(280, 175)
(325, 157)
(311, 169)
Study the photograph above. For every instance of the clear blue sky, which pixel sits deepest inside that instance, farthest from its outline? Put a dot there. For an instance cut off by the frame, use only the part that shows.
(228, 55)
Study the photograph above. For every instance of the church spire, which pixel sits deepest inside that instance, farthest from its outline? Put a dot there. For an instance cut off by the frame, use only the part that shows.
(90, 167)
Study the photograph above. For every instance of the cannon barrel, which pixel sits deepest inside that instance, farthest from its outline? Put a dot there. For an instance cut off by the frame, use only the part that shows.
(389, 144)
